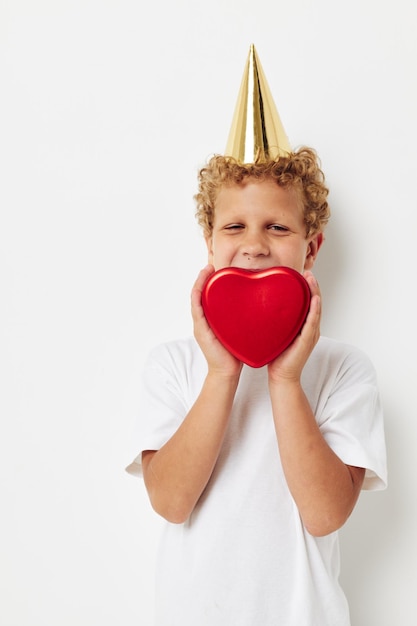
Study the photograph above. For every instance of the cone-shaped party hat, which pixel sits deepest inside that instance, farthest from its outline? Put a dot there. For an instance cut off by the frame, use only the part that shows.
(257, 132)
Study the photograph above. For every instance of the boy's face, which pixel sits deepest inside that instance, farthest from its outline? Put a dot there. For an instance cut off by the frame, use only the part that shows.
(260, 225)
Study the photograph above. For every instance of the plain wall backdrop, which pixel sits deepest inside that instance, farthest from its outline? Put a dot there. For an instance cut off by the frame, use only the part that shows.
(107, 110)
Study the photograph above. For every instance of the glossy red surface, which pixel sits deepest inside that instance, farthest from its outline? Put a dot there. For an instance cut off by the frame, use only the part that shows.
(256, 315)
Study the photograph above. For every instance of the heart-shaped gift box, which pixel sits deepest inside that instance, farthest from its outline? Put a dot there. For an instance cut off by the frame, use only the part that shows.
(256, 315)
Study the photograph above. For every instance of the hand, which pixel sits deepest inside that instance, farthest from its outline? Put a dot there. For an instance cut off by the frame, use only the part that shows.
(218, 358)
(290, 363)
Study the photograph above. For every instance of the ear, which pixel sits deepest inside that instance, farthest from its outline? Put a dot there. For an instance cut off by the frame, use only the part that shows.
(313, 248)
(209, 244)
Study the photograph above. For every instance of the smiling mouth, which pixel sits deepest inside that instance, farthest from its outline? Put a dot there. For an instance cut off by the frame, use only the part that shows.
(259, 269)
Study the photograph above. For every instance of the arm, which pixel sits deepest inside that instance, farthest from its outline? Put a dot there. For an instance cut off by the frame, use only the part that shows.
(323, 487)
(177, 474)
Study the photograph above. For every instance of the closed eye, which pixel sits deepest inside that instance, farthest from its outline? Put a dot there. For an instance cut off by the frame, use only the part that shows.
(278, 228)
(233, 227)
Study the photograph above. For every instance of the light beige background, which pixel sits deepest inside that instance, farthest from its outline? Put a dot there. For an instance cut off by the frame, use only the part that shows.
(107, 109)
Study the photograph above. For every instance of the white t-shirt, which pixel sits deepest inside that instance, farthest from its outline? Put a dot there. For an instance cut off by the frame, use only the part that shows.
(244, 558)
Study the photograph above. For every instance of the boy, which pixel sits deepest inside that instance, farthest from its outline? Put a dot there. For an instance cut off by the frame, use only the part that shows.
(255, 470)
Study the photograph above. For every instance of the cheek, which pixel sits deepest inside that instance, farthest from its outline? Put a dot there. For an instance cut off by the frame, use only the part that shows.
(209, 244)
(220, 254)
(308, 259)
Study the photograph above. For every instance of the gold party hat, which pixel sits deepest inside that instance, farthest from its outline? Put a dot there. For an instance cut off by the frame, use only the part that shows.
(257, 133)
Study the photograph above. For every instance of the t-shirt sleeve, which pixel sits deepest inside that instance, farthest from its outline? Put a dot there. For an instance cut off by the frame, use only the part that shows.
(352, 419)
(162, 405)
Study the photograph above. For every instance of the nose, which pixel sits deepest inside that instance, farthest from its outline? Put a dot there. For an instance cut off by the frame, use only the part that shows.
(255, 245)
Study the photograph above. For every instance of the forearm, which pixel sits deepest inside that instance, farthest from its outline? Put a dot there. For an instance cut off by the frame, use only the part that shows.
(323, 487)
(178, 473)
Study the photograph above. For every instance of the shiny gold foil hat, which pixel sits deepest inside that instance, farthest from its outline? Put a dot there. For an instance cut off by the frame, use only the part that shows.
(257, 133)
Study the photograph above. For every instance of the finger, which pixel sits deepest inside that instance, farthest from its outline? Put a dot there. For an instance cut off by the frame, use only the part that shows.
(312, 283)
(310, 332)
(198, 286)
(202, 277)
(315, 309)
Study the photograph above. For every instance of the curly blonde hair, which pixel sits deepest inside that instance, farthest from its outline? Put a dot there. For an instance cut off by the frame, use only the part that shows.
(299, 170)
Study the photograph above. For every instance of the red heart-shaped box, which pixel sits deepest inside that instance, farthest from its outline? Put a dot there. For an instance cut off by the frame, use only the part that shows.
(256, 315)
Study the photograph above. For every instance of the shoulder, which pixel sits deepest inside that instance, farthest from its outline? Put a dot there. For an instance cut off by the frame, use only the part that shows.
(337, 363)
(338, 354)
(176, 358)
(178, 351)
(175, 367)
